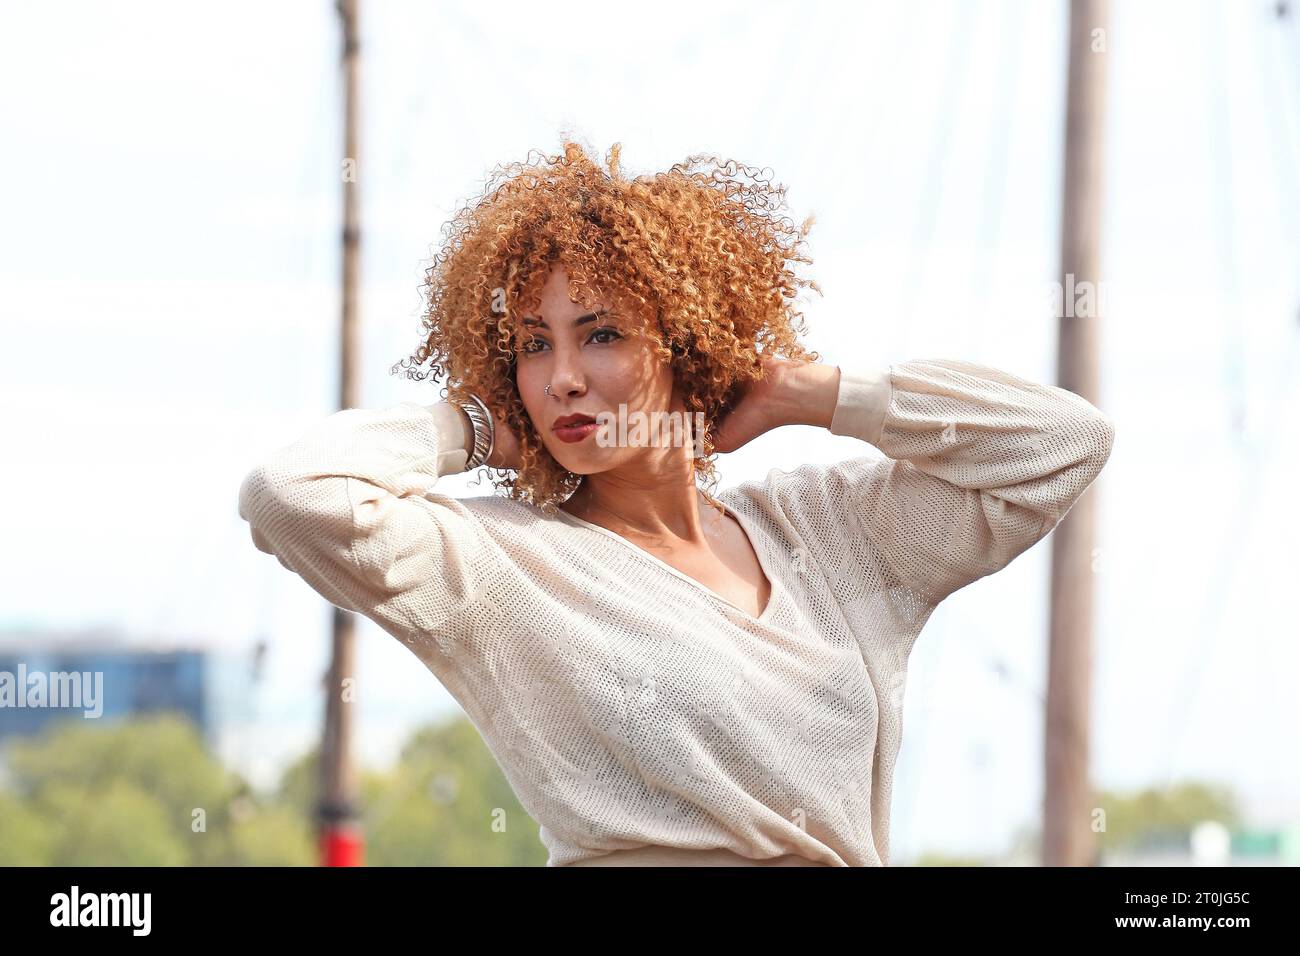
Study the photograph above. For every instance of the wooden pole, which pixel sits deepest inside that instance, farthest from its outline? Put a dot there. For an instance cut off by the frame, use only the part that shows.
(1068, 835)
(340, 836)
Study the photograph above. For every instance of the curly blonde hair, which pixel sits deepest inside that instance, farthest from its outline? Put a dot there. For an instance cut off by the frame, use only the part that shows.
(699, 254)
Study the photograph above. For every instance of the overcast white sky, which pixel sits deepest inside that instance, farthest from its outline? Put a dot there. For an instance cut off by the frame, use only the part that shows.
(169, 252)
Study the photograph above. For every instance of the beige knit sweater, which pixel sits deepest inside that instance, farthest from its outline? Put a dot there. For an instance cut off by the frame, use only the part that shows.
(627, 704)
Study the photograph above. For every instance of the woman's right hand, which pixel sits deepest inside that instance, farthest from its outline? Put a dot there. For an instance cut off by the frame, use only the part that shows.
(505, 446)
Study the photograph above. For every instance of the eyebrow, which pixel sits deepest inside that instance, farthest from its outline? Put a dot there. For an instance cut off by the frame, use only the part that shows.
(580, 320)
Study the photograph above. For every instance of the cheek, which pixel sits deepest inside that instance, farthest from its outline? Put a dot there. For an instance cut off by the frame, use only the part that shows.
(530, 388)
(632, 375)
(654, 386)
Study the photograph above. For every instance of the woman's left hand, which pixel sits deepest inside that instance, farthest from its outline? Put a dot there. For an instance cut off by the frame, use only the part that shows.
(758, 409)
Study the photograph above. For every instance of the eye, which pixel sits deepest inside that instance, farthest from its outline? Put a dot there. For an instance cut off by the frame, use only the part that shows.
(527, 347)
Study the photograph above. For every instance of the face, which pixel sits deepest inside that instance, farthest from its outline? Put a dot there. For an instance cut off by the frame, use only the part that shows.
(594, 362)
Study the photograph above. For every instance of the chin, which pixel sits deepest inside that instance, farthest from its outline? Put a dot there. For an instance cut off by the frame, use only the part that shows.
(583, 469)
(583, 464)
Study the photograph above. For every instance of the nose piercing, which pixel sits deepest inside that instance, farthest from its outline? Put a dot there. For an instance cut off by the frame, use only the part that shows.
(548, 390)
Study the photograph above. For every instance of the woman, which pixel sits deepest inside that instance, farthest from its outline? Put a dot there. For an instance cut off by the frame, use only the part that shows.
(667, 676)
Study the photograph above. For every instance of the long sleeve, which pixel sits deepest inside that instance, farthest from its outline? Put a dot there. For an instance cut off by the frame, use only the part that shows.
(351, 507)
(980, 465)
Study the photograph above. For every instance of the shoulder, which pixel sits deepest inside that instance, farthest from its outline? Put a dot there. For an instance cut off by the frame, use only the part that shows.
(812, 490)
(815, 505)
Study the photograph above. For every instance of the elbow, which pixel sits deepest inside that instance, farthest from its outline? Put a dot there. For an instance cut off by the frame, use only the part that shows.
(1104, 429)
(259, 501)
(258, 493)
(1092, 431)
(1093, 436)
(288, 508)
(270, 498)
(1101, 433)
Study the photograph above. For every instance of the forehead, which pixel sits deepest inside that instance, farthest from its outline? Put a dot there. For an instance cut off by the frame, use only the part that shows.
(579, 318)
(570, 315)
(553, 304)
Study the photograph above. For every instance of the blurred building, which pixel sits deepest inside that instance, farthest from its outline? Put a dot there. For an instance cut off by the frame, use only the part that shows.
(52, 676)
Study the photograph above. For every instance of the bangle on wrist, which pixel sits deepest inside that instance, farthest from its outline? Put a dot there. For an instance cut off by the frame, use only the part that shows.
(484, 430)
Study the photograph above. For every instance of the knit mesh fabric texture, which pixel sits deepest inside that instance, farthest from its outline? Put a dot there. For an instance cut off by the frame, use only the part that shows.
(627, 704)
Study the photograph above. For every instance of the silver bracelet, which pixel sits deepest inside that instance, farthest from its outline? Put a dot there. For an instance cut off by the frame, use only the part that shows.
(485, 432)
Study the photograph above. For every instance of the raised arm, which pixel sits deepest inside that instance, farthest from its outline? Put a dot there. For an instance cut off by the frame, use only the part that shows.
(351, 508)
(980, 465)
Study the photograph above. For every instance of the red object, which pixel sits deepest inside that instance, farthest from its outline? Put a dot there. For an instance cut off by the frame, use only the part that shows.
(575, 419)
(342, 845)
(576, 433)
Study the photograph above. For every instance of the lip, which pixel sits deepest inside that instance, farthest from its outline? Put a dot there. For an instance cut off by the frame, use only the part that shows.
(574, 427)
(575, 433)
(569, 421)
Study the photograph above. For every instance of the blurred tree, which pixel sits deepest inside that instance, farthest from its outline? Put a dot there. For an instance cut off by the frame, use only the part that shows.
(271, 836)
(26, 836)
(132, 793)
(119, 824)
(139, 792)
(447, 803)
(1163, 816)
(1154, 818)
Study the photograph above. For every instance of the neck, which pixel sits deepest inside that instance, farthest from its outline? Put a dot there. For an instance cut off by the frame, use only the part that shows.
(660, 503)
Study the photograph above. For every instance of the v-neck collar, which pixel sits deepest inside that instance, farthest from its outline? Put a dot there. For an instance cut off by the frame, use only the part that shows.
(773, 585)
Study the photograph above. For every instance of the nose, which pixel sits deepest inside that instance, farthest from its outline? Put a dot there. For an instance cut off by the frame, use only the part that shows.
(568, 385)
(566, 379)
